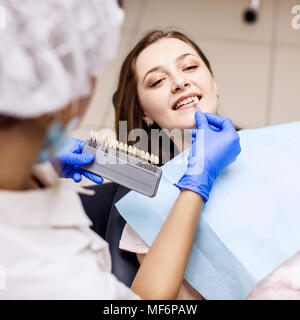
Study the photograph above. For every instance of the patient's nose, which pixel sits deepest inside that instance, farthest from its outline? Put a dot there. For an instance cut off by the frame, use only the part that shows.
(180, 85)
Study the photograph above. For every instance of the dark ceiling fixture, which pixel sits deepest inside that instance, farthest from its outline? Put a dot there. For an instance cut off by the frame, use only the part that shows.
(250, 15)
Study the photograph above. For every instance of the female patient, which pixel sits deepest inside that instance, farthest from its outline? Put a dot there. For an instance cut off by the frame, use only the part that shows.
(157, 77)
(161, 81)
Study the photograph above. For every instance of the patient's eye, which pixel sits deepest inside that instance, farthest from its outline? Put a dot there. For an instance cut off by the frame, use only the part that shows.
(190, 67)
(156, 83)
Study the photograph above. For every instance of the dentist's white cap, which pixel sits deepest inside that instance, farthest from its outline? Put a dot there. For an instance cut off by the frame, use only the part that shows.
(50, 49)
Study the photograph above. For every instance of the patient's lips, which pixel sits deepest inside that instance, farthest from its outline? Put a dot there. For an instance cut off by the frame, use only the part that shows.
(186, 101)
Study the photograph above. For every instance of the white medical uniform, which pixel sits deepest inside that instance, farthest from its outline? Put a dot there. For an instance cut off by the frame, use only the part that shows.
(48, 251)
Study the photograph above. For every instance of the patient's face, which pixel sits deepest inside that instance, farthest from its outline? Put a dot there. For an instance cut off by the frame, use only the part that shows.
(168, 72)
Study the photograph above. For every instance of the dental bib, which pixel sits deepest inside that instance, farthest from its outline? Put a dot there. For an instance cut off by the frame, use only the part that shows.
(251, 223)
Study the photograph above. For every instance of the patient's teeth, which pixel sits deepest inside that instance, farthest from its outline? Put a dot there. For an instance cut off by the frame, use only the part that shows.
(143, 154)
(125, 147)
(130, 149)
(117, 144)
(147, 155)
(121, 146)
(138, 152)
(186, 101)
(134, 150)
(156, 160)
(152, 158)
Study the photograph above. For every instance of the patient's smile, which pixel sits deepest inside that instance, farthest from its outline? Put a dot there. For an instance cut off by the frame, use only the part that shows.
(185, 103)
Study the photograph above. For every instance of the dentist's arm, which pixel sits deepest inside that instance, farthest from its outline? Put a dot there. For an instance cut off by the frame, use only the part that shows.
(161, 272)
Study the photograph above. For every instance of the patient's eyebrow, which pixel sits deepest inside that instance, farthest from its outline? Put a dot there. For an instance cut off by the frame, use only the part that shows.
(178, 59)
(152, 70)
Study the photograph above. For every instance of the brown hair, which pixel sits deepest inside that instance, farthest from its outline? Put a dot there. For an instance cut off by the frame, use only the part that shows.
(126, 97)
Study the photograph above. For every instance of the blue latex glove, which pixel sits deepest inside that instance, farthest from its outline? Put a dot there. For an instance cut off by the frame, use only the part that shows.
(71, 160)
(211, 152)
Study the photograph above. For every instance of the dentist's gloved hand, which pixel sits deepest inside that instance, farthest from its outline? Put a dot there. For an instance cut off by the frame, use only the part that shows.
(71, 160)
(210, 153)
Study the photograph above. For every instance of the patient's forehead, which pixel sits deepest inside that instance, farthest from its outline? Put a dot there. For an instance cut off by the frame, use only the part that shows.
(162, 53)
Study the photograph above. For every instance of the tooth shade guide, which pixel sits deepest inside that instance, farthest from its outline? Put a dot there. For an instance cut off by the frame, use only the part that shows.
(105, 140)
(112, 144)
(123, 147)
(131, 170)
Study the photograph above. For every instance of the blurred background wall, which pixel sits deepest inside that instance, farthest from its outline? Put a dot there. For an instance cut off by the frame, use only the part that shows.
(257, 66)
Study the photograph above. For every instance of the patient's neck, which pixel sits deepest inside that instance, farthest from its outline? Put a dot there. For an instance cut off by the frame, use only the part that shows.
(20, 145)
(183, 141)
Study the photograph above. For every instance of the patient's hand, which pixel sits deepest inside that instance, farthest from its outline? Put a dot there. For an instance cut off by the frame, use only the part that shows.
(186, 292)
(282, 283)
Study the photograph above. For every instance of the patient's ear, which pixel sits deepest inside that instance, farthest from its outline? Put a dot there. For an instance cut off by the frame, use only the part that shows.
(147, 119)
